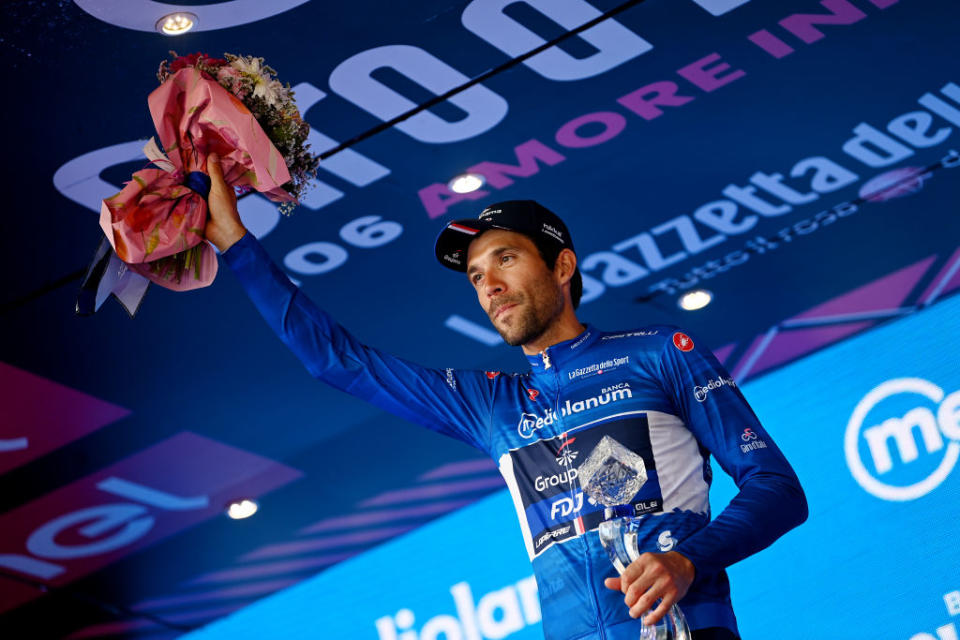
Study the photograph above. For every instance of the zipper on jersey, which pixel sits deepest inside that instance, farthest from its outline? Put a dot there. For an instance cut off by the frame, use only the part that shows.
(583, 538)
(593, 596)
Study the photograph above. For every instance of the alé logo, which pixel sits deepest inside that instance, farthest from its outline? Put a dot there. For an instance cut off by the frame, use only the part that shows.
(903, 438)
(498, 614)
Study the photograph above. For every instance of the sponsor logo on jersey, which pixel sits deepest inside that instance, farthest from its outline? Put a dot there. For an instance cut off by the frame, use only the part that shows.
(566, 456)
(599, 367)
(530, 423)
(549, 535)
(533, 393)
(614, 387)
(492, 374)
(629, 334)
(701, 392)
(666, 541)
(682, 341)
(566, 506)
(582, 339)
(751, 440)
(542, 483)
(545, 480)
(451, 380)
(911, 431)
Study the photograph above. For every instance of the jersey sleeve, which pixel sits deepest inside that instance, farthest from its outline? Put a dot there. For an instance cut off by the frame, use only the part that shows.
(452, 402)
(770, 501)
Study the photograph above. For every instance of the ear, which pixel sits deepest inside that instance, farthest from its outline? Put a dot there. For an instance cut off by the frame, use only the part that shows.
(565, 266)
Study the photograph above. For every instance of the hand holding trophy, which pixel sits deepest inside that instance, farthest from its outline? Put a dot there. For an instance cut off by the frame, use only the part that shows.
(612, 475)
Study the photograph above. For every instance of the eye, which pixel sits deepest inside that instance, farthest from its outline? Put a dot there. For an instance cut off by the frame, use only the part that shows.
(505, 258)
(475, 278)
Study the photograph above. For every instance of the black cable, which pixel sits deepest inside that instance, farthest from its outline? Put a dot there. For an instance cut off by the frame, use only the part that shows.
(509, 64)
(76, 275)
(7, 307)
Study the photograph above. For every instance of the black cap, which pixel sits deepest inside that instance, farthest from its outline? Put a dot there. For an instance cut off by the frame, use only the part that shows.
(523, 216)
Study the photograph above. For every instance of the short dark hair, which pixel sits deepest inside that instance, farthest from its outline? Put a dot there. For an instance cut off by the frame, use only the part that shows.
(550, 251)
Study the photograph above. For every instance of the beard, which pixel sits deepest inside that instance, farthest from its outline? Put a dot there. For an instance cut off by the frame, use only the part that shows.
(532, 316)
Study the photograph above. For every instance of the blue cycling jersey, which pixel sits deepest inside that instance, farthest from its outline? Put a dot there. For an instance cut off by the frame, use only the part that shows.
(656, 390)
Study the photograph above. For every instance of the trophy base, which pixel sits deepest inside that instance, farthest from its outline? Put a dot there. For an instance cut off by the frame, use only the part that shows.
(673, 626)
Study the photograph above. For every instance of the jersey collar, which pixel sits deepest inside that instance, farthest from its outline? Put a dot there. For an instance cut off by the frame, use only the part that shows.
(557, 355)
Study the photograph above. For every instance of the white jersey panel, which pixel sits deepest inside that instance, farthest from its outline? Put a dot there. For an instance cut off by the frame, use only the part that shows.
(679, 464)
(506, 470)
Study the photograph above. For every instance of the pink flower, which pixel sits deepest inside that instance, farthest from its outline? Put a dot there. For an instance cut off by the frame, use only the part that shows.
(228, 74)
(195, 59)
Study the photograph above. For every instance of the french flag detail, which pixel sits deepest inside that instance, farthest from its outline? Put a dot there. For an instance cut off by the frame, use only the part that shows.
(463, 229)
(578, 525)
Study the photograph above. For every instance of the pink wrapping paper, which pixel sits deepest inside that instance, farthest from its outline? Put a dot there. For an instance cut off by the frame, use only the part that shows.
(155, 217)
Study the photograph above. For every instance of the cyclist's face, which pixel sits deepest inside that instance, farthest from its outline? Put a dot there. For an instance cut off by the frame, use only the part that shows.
(519, 293)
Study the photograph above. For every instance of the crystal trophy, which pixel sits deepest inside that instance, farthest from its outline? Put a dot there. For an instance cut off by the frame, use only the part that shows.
(612, 475)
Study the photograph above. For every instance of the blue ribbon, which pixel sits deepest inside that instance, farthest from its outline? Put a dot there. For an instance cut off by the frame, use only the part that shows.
(199, 182)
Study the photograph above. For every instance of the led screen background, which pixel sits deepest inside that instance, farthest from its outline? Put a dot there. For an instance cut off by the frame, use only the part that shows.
(761, 179)
(861, 566)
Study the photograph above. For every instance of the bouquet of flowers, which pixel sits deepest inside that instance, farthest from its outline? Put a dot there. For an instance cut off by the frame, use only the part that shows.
(234, 107)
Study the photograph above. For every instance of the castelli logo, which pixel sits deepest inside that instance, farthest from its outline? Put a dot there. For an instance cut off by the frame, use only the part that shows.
(533, 393)
(682, 341)
(492, 374)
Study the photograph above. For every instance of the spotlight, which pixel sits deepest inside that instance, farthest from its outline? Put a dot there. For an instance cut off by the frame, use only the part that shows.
(240, 509)
(695, 299)
(467, 182)
(176, 24)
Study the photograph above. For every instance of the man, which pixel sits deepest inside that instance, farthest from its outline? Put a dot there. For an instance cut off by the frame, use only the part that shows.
(656, 391)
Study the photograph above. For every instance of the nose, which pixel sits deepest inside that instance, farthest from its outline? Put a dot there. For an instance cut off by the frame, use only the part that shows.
(493, 285)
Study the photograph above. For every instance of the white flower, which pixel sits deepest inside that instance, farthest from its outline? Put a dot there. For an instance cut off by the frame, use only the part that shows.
(265, 86)
(249, 65)
(270, 90)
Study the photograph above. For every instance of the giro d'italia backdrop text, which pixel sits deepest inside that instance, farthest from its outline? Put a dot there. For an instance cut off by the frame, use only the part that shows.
(872, 427)
(714, 143)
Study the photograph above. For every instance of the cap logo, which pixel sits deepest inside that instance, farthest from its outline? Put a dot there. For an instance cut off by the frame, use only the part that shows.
(463, 229)
(489, 212)
(553, 232)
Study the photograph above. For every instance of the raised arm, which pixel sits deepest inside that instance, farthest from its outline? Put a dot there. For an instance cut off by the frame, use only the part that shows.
(455, 403)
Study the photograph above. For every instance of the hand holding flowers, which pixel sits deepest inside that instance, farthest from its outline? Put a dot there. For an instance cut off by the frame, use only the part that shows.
(234, 108)
(224, 227)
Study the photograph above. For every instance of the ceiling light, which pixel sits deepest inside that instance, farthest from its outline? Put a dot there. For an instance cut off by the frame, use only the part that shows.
(240, 509)
(695, 299)
(176, 24)
(467, 182)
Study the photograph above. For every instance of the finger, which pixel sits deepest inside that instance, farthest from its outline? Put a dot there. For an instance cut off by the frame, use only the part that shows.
(663, 590)
(641, 565)
(645, 602)
(612, 583)
(657, 614)
(632, 572)
(214, 170)
(637, 590)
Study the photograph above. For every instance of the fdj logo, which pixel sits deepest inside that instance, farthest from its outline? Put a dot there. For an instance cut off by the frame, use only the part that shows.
(903, 433)
(563, 507)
